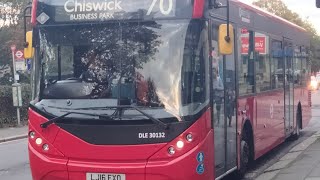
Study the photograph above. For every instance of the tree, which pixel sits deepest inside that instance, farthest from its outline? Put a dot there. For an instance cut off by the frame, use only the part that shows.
(11, 11)
(278, 8)
(11, 28)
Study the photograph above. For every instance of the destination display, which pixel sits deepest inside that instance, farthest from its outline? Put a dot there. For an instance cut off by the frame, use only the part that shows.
(50, 11)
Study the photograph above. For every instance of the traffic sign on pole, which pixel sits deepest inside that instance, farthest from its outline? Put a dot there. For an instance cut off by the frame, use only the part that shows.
(13, 47)
(29, 64)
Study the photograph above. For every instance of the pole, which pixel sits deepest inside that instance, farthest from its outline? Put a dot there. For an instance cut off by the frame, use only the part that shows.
(18, 116)
(25, 23)
(14, 68)
(17, 88)
(228, 19)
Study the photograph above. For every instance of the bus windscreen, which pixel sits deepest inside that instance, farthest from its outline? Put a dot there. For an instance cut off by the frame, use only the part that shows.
(136, 64)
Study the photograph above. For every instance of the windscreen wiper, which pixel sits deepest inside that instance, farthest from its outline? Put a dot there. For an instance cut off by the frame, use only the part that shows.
(120, 108)
(53, 120)
(153, 119)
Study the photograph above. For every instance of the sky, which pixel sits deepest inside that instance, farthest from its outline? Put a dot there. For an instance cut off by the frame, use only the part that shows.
(305, 8)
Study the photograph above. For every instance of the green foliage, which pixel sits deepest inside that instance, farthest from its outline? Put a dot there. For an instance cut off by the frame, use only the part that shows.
(278, 8)
(11, 32)
(11, 11)
(8, 116)
(6, 80)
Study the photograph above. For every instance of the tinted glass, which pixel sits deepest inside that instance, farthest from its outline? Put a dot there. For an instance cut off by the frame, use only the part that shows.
(153, 64)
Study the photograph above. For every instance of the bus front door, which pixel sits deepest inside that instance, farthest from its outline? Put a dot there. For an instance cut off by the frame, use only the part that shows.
(289, 87)
(223, 108)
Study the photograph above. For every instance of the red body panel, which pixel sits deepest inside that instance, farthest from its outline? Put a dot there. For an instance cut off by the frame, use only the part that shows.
(266, 114)
(184, 167)
(269, 121)
(198, 8)
(45, 167)
(71, 158)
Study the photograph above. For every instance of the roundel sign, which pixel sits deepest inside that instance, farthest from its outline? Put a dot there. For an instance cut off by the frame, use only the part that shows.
(19, 54)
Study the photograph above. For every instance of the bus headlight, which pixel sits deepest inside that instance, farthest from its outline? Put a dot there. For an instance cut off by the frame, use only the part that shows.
(38, 141)
(180, 144)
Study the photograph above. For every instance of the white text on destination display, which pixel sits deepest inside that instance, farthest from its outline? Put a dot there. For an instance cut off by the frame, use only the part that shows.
(72, 6)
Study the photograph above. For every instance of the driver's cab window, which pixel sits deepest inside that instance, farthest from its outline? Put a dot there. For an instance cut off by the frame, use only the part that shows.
(194, 82)
(67, 62)
(65, 55)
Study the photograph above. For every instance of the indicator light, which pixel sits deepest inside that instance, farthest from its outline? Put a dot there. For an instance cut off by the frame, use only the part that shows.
(189, 137)
(45, 147)
(32, 135)
(171, 150)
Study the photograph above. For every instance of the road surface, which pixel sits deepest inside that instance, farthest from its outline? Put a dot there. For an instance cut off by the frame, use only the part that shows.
(14, 162)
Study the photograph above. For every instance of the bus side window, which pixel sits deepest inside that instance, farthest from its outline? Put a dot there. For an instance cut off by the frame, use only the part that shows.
(305, 74)
(277, 64)
(297, 61)
(246, 64)
(262, 60)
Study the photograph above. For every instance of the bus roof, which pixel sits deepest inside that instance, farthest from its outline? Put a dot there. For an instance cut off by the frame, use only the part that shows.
(266, 13)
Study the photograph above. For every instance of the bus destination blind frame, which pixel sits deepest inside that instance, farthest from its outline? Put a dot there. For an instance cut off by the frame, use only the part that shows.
(95, 10)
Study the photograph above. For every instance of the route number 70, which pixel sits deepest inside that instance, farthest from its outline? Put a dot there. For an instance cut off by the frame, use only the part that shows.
(161, 7)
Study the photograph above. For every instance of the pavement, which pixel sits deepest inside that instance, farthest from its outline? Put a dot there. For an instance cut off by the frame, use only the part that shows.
(302, 162)
(14, 133)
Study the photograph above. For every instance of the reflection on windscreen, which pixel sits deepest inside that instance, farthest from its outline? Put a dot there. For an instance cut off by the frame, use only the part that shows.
(153, 64)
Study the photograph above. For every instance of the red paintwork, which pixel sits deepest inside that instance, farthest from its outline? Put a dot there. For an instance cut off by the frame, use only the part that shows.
(70, 158)
(34, 12)
(198, 9)
(269, 128)
(45, 167)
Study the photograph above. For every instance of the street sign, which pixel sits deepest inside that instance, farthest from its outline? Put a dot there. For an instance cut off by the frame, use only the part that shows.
(20, 65)
(19, 55)
(29, 64)
(13, 47)
(17, 77)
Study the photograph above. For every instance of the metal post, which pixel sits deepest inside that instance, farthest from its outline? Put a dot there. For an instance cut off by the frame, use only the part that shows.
(14, 68)
(228, 21)
(18, 116)
(17, 88)
(25, 23)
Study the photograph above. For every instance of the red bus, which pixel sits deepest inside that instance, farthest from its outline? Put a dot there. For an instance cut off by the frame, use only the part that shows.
(151, 90)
